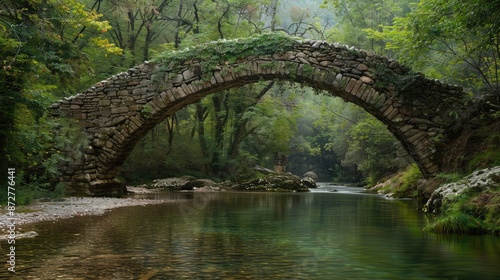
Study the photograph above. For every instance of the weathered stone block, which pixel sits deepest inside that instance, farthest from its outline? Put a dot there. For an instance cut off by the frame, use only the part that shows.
(178, 93)
(218, 77)
(411, 132)
(104, 102)
(139, 91)
(119, 110)
(417, 136)
(362, 67)
(367, 80)
(355, 90)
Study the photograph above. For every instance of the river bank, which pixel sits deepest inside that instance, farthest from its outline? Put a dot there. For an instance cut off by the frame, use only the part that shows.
(83, 206)
(66, 208)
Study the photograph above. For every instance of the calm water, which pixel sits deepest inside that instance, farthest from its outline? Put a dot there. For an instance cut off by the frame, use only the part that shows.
(318, 235)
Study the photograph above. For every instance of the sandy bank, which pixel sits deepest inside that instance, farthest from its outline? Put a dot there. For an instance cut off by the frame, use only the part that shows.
(67, 208)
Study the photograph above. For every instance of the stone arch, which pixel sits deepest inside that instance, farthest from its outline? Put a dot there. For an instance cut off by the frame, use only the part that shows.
(116, 113)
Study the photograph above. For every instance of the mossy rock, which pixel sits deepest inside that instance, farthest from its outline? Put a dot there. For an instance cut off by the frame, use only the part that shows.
(185, 183)
(471, 205)
(274, 183)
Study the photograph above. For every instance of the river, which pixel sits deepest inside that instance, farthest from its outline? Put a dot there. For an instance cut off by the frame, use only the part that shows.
(333, 232)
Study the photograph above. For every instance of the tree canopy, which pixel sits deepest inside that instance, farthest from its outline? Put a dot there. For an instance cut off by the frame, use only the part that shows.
(47, 50)
(454, 40)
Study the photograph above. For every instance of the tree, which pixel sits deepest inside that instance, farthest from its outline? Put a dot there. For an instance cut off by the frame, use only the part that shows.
(141, 26)
(459, 40)
(374, 150)
(46, 48)
(357, 18)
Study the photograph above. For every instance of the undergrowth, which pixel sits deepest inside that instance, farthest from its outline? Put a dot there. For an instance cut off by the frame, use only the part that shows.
(403, 184)
(473, 211)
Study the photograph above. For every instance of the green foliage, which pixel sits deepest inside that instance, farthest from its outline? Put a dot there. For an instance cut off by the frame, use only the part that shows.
(473, 211)
(455, 39)
(487, 150)
(146, 111)
(450, 177)
(223, 52)
(487, 158)
(360, 19)
(403, 184)
(38, 149)
(153, 158)
(275, 125)
(410, 177)
(485, 206)
(373, 149)
(456, 223)
(44, 52)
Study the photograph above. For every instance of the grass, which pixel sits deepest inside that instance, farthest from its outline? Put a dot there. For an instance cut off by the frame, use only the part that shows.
(31, 192)
(456, 223)
(403, 184)
(472, 212)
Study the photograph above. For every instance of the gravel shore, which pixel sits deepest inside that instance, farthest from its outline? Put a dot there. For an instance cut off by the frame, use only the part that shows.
(66, 208)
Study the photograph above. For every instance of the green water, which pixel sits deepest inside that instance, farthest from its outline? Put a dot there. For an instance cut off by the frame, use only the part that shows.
(318, 235)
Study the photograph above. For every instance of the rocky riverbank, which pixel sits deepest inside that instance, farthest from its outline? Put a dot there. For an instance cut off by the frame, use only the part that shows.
(471, 205)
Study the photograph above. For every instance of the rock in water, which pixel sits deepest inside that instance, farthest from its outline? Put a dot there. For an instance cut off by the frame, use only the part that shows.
(309, 182)
(274, 183)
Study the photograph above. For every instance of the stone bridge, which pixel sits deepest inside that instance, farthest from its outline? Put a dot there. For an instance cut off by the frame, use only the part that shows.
(423, 114)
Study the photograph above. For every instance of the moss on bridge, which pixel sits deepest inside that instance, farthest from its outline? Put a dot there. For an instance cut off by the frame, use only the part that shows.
(222, 52)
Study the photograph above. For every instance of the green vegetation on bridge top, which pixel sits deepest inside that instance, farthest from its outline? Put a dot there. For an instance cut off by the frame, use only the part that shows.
(227, 51)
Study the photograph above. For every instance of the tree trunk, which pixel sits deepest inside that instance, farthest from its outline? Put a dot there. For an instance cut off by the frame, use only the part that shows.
(221, 114)
(241, 126)
(132, 37)
(170, 124)
(200, 129)
(179, 24)
(273, 14)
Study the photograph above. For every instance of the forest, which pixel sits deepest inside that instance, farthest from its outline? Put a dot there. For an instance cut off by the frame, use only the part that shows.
(52, 49)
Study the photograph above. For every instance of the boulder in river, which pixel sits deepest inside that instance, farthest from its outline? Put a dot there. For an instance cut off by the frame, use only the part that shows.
(274, 183)
(309, 182)
(180, 183)
(170, 184)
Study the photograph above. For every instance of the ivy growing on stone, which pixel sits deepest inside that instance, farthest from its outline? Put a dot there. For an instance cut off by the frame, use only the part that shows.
(406, 84)
(223, 52)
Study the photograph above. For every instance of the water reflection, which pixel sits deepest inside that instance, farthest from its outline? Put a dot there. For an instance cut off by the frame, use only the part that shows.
(320, 235)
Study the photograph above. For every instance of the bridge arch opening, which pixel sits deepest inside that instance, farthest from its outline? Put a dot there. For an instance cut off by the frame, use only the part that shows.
(118, 112)
(261, 124)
